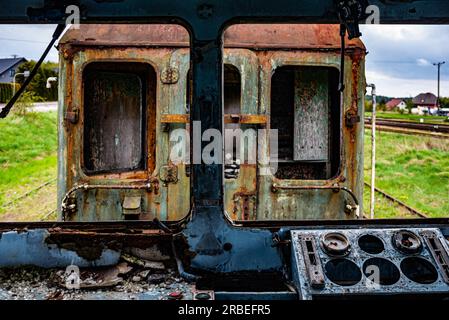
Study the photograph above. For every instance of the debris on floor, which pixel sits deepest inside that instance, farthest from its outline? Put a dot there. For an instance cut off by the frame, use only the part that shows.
(155, 265)
(133, 278)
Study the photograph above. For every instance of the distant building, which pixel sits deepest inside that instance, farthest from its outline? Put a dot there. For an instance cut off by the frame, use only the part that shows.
(396, 103)
(8, 68)
(425, 103)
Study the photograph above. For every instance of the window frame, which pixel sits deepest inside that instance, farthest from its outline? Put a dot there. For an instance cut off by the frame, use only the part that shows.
(147, 70)
(300, 62)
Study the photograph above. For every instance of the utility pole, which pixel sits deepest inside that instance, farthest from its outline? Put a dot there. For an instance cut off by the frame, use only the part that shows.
(439, 64)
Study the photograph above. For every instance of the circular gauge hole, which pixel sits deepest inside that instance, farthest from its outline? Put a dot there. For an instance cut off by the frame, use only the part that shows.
(419, 270)
(335, 243)
(343, 272)
(381, 271)
(371, 244)
(407, 242)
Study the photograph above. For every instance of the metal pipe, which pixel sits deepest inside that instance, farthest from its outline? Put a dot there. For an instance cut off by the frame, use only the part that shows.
(373, 151)
(26, 74)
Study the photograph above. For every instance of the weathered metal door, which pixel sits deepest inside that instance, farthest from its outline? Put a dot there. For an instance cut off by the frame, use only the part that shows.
(242, 121)
(118, 140)
(302, 100)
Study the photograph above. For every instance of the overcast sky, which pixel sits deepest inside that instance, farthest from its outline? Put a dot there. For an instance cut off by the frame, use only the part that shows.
(399, 61)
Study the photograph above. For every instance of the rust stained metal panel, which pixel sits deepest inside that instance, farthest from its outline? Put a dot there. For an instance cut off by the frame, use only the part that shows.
(98, 205)
(240, 192)
(253, 65)
(136, 35)
(246, 118)
(172, 100)
(315, 204)
(286, 36)
(264, 36)
(175, 118)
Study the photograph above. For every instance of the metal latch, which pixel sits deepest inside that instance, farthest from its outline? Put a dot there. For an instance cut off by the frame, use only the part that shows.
(170, 75)
(350, 13)
(72, 116)
(132, 205)
(168, 174)
(351, 118)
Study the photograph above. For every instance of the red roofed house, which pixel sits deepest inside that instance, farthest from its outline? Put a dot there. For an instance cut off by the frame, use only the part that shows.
(396, 103)
(426, 103)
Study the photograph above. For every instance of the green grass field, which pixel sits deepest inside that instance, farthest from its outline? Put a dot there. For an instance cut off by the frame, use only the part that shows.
(409, 117)
(27, 159)
(411, 168)
(414, 169)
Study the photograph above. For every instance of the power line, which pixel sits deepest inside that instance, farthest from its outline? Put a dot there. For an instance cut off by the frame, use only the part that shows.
(22, 40)
(391, 61)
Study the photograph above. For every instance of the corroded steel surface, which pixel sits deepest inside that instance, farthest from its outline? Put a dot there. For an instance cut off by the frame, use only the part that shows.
(285, 36)
(212, 243)
(250, 195)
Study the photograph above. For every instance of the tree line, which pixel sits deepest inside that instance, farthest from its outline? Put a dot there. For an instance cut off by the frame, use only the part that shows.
(37, 90)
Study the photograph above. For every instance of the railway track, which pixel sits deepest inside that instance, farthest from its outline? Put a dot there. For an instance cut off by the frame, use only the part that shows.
(399, 202)
(439, 128)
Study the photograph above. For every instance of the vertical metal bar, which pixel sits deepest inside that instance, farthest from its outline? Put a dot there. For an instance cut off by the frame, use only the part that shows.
(207, 113)
(438, 64)
(438, 94)
(373, 151)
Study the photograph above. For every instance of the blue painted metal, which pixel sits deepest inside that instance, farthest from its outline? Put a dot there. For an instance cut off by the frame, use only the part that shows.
(209, 16)
(22, 248)
(252, 249)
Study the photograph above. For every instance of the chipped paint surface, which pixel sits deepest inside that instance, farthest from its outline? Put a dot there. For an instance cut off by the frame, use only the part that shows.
(211, 242)
(31, 248)
(161, 46)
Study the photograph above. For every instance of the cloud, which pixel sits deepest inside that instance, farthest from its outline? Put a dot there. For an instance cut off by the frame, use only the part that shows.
(399, 61)
(400, 58)
(404, 88)
(423, 62)
(27, 41)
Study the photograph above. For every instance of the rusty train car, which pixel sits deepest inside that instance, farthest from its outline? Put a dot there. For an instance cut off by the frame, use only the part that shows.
(279, 218)
(125, 89)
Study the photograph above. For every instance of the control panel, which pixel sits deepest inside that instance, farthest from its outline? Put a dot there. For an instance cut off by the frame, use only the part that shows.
(327, 263)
